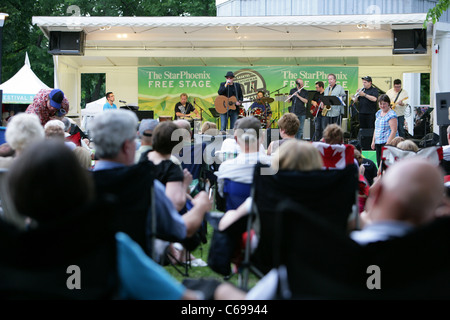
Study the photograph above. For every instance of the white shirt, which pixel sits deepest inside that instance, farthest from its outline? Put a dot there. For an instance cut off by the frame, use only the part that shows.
(239, 169)
(381, 231)
(400, 110)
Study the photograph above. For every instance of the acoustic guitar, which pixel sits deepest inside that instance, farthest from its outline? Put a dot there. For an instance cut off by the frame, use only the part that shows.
(223, 104)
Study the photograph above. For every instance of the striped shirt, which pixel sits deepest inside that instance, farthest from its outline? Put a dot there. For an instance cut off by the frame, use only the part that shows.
(382, 128)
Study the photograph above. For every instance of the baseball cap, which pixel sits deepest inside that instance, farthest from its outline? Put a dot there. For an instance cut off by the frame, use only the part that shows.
(356, 144)
(367, 78)
(147, 124)
(56, 96)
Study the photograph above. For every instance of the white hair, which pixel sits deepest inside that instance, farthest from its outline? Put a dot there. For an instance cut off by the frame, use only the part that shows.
(24, 129)
(111, 129)
(55, 123)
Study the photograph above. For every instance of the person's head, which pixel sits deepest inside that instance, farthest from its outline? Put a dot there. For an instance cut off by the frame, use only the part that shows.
(297, 155)
(333, 134)
(299, 82)
(6, 150)
(410, 191)
(320, 86)
(260, 95)
(54, 129)
(110, 97)
(367, 82)
(114, 135)
(288, 125)
(358, 156)
(23, 130)
(229, 76)
(408, 145)
(210, 128)
(384, 102)
(448, 134)
(47, 180)
(396, 141)
(146, 128)
(184, 125)
(247, 134)
(183, 98)
(163, 142)
(55, 99)
(83, 156)
(67, 124)
(397, 85)
(331, 79)
(356, 144)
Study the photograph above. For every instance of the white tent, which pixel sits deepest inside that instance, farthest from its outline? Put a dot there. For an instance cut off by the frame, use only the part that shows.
(23, 86)
(88, 113)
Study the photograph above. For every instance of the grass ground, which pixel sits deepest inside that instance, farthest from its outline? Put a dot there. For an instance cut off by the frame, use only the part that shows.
(206, 272)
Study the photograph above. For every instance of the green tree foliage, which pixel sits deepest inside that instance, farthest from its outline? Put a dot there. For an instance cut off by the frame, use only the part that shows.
(20, 36)
(435, 13)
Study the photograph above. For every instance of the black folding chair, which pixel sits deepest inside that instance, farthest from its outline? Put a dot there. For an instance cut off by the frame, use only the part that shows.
(322, 263)
(331, 194)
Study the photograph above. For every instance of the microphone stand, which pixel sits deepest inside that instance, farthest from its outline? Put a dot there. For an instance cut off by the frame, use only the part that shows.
(201, 110)
(278, 90)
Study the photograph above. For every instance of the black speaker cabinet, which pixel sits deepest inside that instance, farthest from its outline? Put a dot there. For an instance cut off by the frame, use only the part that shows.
(365, 138)
(66, 43)
(442, 108)
(412, 41)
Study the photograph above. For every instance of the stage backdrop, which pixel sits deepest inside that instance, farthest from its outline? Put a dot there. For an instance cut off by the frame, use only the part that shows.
(159, 88)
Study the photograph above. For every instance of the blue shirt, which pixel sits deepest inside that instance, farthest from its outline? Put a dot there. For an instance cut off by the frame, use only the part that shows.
(107, 106)
(382, 127)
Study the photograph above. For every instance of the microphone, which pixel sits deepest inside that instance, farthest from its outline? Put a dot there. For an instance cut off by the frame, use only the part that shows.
(122, 101)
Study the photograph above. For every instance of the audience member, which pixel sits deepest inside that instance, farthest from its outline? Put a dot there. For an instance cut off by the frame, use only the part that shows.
(396, 141)
(54, 129)
(240, 169)
(167, 172)
(405, 197)
(84, 157)
(408, 145)
(210, 128)
(22, 131)
(130, 275)
(114, 134)
(288, 126)
(370, 168)
(333, 134)
(145, 132)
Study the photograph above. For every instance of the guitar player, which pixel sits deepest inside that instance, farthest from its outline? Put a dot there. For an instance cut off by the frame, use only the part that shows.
(229, 88)
(316, 111)
(398, 104)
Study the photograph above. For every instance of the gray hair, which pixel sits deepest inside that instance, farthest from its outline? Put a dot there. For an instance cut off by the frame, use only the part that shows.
(110, 129)
(23, 130)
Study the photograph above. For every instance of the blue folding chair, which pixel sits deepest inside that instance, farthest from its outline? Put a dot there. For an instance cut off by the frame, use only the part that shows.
(235, 193)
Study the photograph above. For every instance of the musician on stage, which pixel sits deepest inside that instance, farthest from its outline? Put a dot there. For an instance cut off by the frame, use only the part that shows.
(316, 111)
(398, 97)
(299, 98)
(184, 108)
(266, 112)
(334, 114)
(229, 89)
(367, 98)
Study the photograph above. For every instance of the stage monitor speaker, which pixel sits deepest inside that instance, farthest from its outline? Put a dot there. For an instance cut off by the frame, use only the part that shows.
(412, 41)
(443, 108)
(66, 43)
(365, 138)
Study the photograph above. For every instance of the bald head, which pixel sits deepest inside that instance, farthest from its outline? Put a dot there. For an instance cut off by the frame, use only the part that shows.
(409, 191)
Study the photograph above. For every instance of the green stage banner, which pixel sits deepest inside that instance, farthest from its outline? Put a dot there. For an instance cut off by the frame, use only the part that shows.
(159, 88)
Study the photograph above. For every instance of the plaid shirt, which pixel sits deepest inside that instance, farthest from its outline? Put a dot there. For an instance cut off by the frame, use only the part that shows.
(39, 106)
(382, 128)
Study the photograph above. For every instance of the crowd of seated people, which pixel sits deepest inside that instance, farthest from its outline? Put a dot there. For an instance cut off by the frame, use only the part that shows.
(138, 195)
